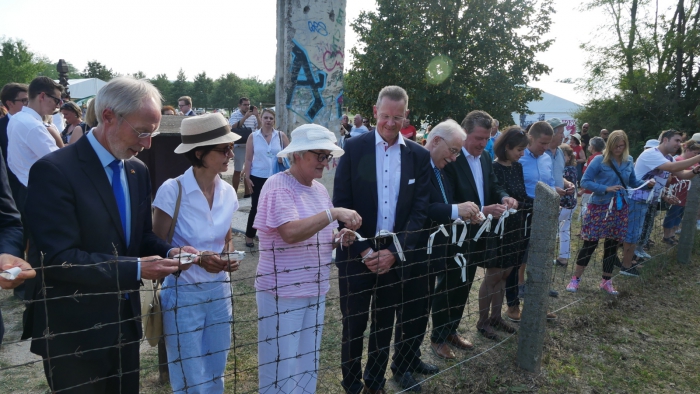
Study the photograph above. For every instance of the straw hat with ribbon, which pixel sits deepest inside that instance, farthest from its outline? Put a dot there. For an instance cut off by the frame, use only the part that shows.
(205, 130)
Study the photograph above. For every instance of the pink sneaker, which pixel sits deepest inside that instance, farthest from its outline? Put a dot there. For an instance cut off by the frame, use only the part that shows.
(572, 287)
(607, 286)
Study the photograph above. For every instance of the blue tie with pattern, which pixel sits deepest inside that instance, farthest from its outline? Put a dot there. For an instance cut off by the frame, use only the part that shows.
(118, 191)
(439, 178)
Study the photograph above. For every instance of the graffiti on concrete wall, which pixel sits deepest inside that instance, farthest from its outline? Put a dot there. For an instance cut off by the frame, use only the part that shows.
(303, 76)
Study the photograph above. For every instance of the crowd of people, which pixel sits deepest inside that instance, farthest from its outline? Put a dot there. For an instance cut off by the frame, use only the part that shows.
(409, 224)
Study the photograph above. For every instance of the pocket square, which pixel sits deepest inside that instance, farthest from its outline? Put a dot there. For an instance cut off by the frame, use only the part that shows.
(411, 181)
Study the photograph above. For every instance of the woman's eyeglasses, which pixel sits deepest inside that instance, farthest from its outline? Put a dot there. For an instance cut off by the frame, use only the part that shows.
(224, 151)
(321, 157)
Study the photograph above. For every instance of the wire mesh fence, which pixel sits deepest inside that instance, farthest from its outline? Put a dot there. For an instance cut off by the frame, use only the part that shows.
(243, 335)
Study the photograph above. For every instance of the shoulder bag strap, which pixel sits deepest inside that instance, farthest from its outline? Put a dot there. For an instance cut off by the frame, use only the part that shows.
(612, 165)
(171, 232)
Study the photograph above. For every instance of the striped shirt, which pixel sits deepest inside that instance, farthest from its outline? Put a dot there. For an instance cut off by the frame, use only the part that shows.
(300, 269)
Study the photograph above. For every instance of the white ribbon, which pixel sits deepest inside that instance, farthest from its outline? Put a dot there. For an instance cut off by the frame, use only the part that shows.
(462, 236)
(358, 237)
(610, 207)
(486, 226)
(399, 250)
(462, 263)
(11, 274)
(432, 237)
(527, 216)
(501, 222)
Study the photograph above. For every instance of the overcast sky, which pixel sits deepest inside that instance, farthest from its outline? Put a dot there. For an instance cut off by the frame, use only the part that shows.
(216, 36)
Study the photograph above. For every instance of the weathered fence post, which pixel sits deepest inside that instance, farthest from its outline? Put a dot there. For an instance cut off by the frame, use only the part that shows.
(539, 272)
(690, 214)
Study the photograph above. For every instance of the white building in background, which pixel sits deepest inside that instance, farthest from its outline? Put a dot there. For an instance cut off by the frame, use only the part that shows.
(82, 88)
(553, 105)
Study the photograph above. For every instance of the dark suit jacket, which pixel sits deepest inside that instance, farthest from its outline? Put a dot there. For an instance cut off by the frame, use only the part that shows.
(460, 176)
(439, 213)
(355, 187)
(74, 220)
(3, 136)
(10, 223)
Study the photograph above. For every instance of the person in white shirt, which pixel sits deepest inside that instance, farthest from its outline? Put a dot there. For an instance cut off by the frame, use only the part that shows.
(28, 140)
(246, 116)
(358, 128)
(198, 336)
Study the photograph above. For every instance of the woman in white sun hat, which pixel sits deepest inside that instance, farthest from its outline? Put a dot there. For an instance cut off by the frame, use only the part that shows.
(297, 219)
(196, 304)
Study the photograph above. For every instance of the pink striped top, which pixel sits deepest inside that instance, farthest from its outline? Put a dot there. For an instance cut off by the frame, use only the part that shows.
(300, 269)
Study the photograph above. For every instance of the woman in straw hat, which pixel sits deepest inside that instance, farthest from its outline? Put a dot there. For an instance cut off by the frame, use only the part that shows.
(196, 304)
(295, 221)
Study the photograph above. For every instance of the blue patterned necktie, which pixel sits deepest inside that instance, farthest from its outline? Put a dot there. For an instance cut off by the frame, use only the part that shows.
(118, 191)
(439, 178)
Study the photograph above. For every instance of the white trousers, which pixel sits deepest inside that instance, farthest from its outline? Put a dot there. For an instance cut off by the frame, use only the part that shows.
(289, 341)
(565, 215)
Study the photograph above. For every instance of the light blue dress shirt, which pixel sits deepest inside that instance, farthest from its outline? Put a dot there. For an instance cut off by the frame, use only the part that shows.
(557, 166)
(536, 169)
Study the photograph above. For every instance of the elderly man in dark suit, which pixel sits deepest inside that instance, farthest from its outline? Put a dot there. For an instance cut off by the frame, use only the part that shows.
(472, 179)
(444, 144)
(11, 245)
(90, 216)
(386, 180)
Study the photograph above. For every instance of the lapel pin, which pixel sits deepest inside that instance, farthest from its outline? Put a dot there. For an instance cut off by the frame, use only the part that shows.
(133, 172)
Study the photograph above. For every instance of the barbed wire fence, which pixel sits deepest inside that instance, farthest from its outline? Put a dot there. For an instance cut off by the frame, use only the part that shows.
(243, 363)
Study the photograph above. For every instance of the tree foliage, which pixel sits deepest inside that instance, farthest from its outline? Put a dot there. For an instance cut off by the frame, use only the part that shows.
(451, 56)
(202, 89)
(95, 69)
(645, 73)
(18, 63)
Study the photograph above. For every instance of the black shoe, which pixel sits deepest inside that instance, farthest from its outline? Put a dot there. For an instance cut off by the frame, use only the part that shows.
(426, 369)
(553, 293)
(407, 382)
(631, 271)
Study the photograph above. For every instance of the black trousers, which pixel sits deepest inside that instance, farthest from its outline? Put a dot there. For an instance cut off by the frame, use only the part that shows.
(366, 296)
(82, 375)
(451, 295)
(258, 183)
(412, 318)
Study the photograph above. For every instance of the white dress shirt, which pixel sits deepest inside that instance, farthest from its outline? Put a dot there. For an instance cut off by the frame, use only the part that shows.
(27, 141)
(198, 225)
(388, 180)
(455, 209)
(478, 174)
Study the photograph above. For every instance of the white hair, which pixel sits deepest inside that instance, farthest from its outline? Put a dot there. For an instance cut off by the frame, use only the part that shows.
(446, 130)
(124, 96)
(291, 155)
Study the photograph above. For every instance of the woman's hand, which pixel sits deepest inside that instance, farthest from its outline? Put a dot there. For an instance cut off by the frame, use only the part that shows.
(346, 237)
(230, 264)
(211, 262)
(613, 188)
(652, 183)
(248, 183)
(348, 217)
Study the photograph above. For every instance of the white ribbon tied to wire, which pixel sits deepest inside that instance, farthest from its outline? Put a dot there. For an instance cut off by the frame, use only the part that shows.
(486, 226)
(462, 263)
(381, 233)
(526, 217)
(432, 238)
(11, 274)
(501, 225)
(629, 189)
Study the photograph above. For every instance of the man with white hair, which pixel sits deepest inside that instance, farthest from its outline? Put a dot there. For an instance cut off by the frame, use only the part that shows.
(358, 128)
(91, 220)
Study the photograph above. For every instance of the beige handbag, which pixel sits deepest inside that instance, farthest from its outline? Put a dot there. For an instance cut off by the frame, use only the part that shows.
(152, 320)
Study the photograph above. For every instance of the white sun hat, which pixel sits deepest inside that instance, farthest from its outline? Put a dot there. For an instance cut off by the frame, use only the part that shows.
(204, 130)
(312, 137)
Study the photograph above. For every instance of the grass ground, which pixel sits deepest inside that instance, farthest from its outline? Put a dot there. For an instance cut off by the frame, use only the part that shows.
(646, 340)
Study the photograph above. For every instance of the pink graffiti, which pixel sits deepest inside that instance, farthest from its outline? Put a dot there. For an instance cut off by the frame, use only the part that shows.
(331, 60)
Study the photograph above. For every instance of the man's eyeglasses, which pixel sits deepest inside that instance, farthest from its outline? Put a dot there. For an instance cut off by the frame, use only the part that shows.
(397, 119)
(140, 134)
(455, 152)
(182, 105)
(321, 156)
(24, 101)
(225, 151)
(55, 99)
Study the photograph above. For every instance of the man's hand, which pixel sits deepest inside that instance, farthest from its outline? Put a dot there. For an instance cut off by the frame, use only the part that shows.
(185, 249)
(495, 210)
(156, 267)
(510, 202)
(8, 261)
(560, 191)
(380, 262)
(467, 210)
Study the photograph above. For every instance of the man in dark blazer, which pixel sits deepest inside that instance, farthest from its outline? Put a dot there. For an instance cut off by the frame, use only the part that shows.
(472, 179)
(11, 246)
(385, 179)
(444, 144)
(90, 217)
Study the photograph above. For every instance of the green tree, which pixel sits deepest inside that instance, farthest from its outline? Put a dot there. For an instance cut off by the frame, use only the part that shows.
(258, 91)
(51, 72)
(139, 75)
(228, 89)
(202, 89)
(18, 63)
(163, 84)
(450, 56)
(182, 87)
(645, 74)
(95, 69)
